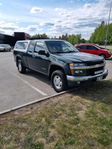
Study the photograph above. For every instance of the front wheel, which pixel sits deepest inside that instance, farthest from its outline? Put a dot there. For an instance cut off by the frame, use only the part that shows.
(21, 68)
(59, 81)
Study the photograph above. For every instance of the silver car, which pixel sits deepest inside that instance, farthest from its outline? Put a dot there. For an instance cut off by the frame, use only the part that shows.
(5, 47)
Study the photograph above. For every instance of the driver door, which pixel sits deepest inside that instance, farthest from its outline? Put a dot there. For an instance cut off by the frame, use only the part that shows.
(40, 62)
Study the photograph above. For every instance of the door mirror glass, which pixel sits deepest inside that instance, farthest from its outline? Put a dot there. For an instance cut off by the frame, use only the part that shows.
(42, 52)
(78, 48)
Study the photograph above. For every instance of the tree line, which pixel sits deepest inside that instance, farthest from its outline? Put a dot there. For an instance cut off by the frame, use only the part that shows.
(98, 36)
(73, 39)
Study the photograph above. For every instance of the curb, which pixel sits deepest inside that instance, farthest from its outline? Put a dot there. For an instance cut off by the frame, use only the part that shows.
(34, 102)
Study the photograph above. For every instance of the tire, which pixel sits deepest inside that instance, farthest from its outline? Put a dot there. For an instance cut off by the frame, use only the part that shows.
(21, 68)
(103, 55)
(59, 81)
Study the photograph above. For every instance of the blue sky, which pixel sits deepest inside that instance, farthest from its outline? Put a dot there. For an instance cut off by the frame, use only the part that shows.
(53, 17)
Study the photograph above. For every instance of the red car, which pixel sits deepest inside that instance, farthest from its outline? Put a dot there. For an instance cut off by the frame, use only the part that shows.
(94, 49)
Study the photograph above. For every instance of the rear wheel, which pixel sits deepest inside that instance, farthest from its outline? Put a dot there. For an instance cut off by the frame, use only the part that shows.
(21, 68)
(59, 81)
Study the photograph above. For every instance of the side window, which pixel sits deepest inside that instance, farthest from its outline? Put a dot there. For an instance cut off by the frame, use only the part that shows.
(82, 47)
(31, 46)
(21, 45)
(39, 46)
(91, 48)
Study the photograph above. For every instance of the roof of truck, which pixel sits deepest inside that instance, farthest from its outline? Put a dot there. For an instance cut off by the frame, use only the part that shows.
(40, 40)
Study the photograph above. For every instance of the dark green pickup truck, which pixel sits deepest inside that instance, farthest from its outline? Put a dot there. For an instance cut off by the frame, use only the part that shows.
(59, 60)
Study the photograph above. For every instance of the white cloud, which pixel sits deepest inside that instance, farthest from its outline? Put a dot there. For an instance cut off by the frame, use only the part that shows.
(59, 21)
(8, 27)
(81, 20)
(36, 10)
(11, 27)
(88, 6)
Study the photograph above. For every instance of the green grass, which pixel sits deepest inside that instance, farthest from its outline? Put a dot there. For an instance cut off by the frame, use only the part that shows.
(110, 50)
(78, 120)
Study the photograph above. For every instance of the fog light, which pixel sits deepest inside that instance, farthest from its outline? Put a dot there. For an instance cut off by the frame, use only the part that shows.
(78, 71)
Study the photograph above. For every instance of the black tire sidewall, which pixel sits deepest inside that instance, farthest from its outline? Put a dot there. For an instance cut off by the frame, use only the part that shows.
(23, 69)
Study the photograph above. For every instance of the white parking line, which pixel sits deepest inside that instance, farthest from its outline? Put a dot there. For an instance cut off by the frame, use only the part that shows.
(35, 101)
(26, 82)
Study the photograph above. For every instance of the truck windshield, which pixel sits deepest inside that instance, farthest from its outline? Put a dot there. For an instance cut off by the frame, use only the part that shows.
(60, 47)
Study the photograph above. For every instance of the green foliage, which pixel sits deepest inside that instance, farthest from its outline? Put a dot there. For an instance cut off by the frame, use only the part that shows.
(39, 36)
(99, 34)
(73, 39)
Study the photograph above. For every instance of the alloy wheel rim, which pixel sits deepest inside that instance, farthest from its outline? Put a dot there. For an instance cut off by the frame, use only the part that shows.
(57, 81)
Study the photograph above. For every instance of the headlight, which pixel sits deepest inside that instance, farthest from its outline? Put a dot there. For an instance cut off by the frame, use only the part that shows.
(74, 65)
(80, 72)
(79, 64)
(75, 68)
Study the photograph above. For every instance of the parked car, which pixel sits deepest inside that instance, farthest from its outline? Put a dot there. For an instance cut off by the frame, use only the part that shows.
(5, 47)
(58, 60)
(94, 49)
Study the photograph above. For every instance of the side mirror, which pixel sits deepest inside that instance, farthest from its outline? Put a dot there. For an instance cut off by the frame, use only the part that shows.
(78, 48)
(42, 52)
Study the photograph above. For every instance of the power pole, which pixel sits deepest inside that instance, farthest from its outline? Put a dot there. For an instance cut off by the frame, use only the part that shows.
(107, 29)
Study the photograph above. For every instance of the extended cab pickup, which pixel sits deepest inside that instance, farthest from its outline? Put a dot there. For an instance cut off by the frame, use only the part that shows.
(59, 60)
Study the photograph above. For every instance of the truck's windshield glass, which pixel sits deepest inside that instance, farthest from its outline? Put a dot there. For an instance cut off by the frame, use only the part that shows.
(60, 47)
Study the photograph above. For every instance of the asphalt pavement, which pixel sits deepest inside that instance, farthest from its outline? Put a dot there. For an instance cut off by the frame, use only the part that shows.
(18, 89)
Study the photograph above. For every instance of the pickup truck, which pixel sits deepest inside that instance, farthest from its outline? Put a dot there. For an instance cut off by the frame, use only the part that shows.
(59, 60)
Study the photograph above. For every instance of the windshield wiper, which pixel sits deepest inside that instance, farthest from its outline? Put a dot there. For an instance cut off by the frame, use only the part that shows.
(65, 52)
(58, 52)
(69, 51)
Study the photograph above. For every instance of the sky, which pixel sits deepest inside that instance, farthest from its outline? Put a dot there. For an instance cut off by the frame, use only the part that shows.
(53, 17)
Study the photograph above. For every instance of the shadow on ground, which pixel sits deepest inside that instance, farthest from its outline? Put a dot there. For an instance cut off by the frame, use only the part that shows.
(38, 76)
(96, 91)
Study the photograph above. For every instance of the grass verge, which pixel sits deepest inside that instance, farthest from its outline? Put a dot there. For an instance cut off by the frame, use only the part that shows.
(111, 50)
(78, 120)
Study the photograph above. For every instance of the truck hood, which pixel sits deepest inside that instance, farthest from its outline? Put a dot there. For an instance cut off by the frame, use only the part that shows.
(79, 57)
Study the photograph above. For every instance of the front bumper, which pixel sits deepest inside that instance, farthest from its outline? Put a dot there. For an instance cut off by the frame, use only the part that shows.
(85, 78)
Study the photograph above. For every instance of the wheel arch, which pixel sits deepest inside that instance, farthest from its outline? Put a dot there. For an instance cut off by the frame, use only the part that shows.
(54, 68)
